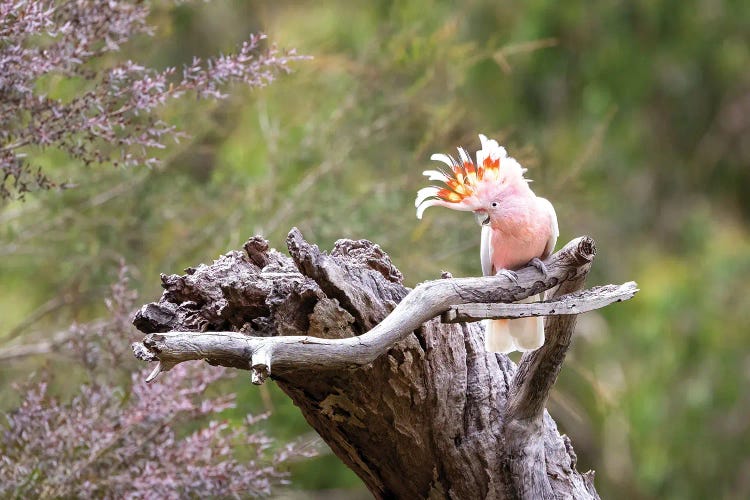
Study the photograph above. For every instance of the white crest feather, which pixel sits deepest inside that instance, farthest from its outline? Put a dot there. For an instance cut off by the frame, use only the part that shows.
(435, 175)
(443, 158)
(464, 156)
(427, 204)
(425, 193)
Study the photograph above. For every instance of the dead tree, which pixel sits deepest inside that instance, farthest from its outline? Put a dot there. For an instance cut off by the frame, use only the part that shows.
(396, 381)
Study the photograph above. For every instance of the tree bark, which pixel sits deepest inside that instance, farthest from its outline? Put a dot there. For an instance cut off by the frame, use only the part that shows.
(414, 406)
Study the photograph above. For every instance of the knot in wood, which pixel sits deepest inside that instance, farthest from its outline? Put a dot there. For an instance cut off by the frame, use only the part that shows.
(587, 248)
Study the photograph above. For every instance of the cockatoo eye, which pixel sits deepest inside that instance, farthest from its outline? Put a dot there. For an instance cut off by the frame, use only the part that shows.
(494, 204)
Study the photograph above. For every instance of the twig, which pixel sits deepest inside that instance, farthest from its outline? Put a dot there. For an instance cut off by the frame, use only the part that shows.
(572, 303)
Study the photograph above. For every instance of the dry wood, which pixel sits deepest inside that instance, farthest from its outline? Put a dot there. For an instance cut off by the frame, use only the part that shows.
(415, 407)
(572, 303)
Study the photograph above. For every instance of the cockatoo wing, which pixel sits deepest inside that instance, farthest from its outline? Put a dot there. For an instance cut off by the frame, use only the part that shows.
(485, 251)
(555, 230)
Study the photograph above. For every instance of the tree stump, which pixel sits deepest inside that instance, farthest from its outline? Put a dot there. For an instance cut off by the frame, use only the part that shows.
(413, 405)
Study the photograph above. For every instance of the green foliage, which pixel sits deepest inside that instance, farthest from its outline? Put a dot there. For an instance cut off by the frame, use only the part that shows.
(630, 117)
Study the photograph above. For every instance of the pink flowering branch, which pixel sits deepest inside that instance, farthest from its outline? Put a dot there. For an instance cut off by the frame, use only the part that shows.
(100, 444)
(115, 119)
(115, 440)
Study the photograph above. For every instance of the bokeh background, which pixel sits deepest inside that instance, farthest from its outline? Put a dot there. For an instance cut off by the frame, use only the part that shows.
(632, 117)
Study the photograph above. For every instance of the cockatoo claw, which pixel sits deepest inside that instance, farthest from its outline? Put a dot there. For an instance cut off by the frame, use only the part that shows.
(511, 275)
(539, 264)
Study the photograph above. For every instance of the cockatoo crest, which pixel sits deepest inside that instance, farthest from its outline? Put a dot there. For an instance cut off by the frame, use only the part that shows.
(468, 185)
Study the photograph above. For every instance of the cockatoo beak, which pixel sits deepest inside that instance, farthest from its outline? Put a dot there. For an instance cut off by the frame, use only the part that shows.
(482, 217)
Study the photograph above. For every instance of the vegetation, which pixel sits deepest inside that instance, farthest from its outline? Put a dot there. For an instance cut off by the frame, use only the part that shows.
(632, 118)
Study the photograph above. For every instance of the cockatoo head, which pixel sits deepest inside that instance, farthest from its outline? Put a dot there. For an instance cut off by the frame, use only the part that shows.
(480, 188)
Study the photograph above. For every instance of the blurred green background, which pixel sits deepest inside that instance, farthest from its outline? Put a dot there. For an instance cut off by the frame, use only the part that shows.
(632, 117)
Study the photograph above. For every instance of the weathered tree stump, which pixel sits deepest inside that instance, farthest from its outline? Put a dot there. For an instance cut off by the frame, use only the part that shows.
(414, 406)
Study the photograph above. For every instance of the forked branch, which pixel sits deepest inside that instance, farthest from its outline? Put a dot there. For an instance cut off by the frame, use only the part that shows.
(265, 356)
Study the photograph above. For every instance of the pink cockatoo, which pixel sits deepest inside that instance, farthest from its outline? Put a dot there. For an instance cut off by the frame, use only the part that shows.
(518, 227)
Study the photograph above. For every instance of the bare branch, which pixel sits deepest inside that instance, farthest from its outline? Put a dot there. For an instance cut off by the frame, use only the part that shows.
(538, 370)
(25, 350)
(572, 303)
(525, 453)
(426, 301)
(53, 343)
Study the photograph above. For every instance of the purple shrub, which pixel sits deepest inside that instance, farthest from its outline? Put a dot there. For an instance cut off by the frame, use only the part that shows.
(117, 437)
(112, 118)
(123, 440)
(112, 443)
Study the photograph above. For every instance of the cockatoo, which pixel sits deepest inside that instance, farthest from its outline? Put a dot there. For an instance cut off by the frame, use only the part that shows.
(518, 227)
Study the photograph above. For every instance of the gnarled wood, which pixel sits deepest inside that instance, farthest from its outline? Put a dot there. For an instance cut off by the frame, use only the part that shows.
(226, 348)
(415, 407)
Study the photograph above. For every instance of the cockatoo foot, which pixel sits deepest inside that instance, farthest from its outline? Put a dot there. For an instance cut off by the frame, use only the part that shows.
(539, 264)
(511, 275)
